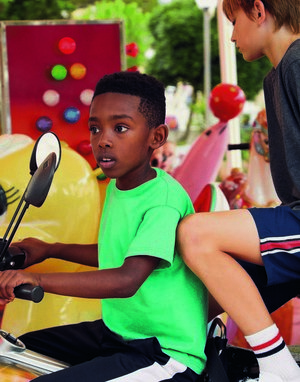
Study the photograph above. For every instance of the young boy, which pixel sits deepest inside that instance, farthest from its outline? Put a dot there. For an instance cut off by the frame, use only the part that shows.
(153, 307)
(213, 243)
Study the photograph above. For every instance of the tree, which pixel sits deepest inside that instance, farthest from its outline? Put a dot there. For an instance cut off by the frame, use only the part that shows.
(250, 75)
(135, 24)
(177, 29)
(3, 5)
(35, 10)
(145, 5)
(175, 33)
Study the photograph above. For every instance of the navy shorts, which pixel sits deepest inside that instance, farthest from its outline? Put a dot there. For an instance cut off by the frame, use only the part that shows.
(279, 234)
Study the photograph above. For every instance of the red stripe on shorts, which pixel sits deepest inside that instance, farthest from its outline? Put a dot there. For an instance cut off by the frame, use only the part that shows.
(280, 245)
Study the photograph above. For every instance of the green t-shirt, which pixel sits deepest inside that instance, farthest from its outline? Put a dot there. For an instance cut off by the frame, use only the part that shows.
(171, 305)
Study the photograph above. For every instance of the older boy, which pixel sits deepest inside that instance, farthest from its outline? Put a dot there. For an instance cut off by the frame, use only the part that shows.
(153, 307)
(213, 243)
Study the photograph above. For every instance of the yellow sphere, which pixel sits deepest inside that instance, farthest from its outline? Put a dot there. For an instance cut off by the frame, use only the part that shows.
(70, 214)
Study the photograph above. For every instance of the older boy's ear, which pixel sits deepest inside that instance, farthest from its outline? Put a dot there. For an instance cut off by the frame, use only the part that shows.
(160, 135)
(259, 11)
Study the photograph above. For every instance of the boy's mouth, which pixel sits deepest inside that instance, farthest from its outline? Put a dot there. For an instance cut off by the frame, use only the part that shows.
(106, 162)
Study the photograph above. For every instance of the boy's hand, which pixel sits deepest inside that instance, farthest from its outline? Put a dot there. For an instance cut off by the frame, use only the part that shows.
(10, 279)
(35, 250)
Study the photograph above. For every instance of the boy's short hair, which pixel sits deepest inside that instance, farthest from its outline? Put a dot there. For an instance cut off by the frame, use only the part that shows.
(284, 12)
(149, 89)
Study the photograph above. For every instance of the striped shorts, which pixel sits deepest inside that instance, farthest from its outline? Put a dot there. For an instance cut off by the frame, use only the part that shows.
(279, 233)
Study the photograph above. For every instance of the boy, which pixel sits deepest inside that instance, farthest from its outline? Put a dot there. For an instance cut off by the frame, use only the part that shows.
(213, 243)
(152, 329)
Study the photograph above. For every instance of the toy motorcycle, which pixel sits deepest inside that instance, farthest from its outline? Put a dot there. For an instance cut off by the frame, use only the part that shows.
(16, 362)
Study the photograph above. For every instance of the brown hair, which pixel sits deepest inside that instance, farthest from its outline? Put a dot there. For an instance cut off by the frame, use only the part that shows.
(285, 12)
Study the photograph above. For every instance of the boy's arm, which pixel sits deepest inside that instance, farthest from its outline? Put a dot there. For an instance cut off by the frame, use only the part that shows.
(119, 282)
(37, 251)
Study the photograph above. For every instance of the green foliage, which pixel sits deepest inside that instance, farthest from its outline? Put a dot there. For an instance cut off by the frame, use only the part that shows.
(246, 138)
(135, 23)
(145, 5)
(177, 29)
(3, 6)
(35, 10)
(174, 31)
(251, 74)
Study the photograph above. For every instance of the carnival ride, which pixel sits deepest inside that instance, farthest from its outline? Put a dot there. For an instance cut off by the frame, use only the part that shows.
(79, 190)
(16, 362)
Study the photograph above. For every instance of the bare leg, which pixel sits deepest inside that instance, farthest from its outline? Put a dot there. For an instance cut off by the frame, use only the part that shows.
(209, 244)
(214, 309)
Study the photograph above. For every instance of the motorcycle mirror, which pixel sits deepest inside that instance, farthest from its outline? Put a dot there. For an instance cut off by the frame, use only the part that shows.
(40, 182)
(42, 171)
(45, 144)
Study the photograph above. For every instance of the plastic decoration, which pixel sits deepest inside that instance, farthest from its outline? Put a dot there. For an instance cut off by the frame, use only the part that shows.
(133, 69)
(84, 147)
(44, 124)
(75, 184)
(59, 72)
(172, 122)
(77, 71)
(234, 188)
(67, 45)
(71, 114)
(226, 101)
(201, 164)
(51, 97)
(86, 96)
(132, 49)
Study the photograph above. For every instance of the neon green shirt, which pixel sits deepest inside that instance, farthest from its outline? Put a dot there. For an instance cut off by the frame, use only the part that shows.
(171, 305)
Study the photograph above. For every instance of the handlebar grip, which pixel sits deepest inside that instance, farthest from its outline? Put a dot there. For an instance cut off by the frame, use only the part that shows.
(29, 292)
(239, 146)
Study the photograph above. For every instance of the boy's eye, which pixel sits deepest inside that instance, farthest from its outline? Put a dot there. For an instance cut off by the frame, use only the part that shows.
(121, 129)
(93, 129)
(232, 21)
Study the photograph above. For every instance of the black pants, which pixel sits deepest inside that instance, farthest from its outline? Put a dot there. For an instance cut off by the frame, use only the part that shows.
(98, 355)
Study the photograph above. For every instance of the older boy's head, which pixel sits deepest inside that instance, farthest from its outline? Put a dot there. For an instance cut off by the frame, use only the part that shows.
(148, 88)
(285, 12)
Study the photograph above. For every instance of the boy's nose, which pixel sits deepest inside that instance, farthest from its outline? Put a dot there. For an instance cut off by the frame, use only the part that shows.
(104, 141)
(232, 36)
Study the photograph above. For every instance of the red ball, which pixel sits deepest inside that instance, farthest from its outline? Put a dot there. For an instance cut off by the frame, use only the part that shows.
(84, 147)
(67, 45)
(133, 69)
(226, 101)
(132, 49)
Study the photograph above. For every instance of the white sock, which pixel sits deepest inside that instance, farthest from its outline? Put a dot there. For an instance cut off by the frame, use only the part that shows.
(276, 364)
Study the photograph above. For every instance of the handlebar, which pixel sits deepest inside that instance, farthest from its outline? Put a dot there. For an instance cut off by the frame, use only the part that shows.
(29, 292)
(239, 146)
(14, 258)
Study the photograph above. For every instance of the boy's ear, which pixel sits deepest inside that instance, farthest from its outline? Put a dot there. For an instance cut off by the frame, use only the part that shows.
(159, 136)
(259, 11)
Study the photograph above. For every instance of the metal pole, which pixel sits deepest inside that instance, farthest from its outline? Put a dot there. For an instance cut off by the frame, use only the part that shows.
(229, 75)
(207, 62)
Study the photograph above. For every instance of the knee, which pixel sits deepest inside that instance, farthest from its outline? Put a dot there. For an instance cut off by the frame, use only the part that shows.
(189, 237)
(196, 239)
(186, 231)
